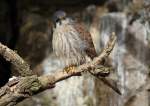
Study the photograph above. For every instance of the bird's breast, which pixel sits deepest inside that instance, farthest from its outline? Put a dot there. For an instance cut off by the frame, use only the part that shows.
(68, 46)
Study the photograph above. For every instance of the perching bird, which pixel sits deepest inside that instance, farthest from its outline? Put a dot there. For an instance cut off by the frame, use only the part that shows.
(72, 43)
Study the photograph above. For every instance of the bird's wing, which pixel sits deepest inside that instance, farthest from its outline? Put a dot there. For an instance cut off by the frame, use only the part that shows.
(86, 36)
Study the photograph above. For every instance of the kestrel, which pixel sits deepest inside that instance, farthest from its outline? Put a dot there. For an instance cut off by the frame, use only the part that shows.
(72, 43)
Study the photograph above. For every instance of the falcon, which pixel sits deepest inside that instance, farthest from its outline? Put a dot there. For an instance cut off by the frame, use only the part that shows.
(72, 43)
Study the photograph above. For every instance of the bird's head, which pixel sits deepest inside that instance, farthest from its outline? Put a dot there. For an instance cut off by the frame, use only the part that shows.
(60, 17)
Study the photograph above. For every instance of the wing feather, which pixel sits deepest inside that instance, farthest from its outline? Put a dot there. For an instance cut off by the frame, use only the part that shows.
(86, 36)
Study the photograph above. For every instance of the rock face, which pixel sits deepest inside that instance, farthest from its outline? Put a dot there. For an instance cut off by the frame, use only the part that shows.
(35, 36)
(129, 56)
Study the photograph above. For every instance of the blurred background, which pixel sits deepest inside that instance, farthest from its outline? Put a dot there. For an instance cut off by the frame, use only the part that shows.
(25, 26)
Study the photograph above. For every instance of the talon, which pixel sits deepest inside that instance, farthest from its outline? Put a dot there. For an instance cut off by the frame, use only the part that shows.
(69, 69)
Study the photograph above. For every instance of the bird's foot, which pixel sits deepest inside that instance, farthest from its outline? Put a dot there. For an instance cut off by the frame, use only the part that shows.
(70, 69)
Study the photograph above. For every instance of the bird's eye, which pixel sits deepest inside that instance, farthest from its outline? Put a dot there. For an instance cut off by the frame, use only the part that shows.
(63, 18)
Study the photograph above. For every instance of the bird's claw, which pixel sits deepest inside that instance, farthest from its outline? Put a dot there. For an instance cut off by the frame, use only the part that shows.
(70, 69)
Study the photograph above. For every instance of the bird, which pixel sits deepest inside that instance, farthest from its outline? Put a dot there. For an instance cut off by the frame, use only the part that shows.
(72, 43)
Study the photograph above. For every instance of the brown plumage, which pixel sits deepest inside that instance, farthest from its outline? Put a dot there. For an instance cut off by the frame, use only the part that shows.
(71, 41)
(86, 36)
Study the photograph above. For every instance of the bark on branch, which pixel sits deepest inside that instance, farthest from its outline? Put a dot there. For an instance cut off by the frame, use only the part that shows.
(23, 87)
(21, 66)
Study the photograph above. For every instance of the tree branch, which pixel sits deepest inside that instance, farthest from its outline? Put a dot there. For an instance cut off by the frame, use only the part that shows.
(22, 67)
(23, 87)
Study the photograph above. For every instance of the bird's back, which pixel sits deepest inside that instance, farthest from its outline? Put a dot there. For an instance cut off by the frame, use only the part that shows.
(86, 37)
